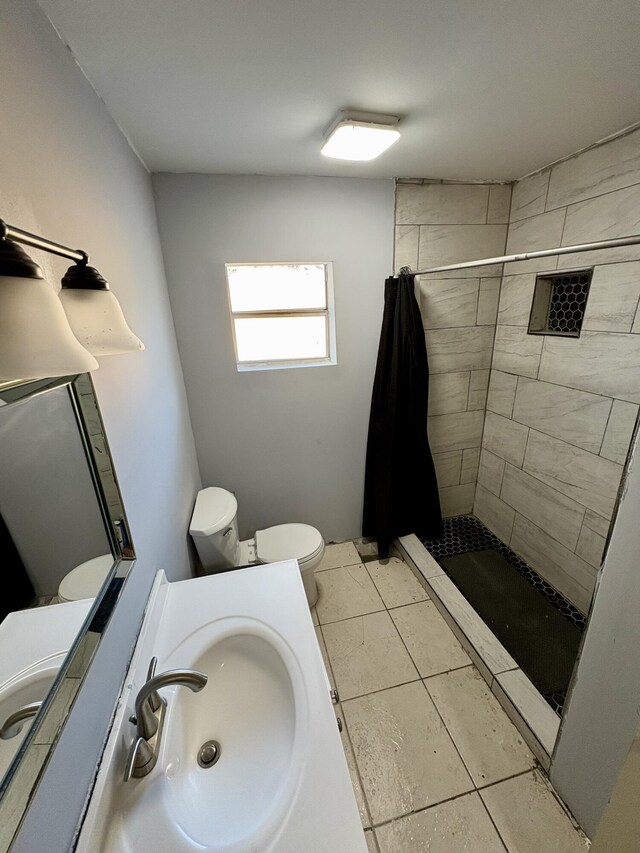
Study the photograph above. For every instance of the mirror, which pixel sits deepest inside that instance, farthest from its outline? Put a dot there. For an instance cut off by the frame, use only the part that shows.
(50, 519)
(66, 550)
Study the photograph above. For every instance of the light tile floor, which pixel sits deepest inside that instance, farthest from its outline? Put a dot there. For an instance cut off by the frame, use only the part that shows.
(436, 765)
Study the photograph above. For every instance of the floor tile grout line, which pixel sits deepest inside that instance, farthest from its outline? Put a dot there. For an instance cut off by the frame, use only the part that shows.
(395, 606)
(431, 699)
(477, 791)
(536, 768)
(422, 680)
(433, 805)
(493, 823)
(423, 809)
(346, 727)
(477, 788)
(330, 568)
(357, 616)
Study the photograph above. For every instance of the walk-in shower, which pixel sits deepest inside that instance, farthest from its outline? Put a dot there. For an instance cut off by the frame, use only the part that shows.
(526, 556)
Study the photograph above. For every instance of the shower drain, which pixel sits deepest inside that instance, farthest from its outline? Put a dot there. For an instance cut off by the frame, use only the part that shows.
(209, 753)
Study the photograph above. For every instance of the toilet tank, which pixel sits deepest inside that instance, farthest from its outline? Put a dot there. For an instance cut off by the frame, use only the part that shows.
(214, 529)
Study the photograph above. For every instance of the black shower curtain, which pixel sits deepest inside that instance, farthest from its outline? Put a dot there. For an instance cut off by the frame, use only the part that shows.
(401, 491)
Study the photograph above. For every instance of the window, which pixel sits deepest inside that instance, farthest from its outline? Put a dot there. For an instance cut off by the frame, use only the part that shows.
(282, 314)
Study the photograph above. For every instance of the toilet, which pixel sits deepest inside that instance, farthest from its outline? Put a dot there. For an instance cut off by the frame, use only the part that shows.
(214, 530)
(85, 581)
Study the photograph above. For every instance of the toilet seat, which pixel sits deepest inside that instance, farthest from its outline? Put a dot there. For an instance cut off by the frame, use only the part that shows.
(86, 579)
(299, 542)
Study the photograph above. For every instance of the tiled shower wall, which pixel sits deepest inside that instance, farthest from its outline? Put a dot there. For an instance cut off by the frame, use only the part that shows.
(561, 411)
(438, 223)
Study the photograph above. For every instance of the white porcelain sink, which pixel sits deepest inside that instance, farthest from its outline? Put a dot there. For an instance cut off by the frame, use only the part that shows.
(281, 783)
(255, 707)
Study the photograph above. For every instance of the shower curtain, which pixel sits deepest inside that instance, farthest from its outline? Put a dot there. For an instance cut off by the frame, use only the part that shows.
(401, 491)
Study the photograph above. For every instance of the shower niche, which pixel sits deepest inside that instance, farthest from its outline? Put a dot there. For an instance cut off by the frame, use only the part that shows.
(559, 303)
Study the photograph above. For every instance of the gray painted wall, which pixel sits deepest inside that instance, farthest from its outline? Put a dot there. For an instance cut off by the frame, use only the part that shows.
(67, 171)
(290, 443)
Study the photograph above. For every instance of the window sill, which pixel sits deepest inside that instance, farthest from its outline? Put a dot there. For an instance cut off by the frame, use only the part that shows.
(251, 367)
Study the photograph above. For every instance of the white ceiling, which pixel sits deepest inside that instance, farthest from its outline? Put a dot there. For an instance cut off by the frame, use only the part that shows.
(488, 89)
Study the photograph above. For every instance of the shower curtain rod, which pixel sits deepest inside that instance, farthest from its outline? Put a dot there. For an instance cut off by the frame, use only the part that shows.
(527, 256)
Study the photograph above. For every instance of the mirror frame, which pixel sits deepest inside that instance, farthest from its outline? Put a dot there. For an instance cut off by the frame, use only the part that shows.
(23, 775)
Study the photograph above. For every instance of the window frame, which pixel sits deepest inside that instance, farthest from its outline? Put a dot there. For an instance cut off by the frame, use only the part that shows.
(327, 313)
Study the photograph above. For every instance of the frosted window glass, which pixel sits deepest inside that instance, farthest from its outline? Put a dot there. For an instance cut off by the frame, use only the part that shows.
(277, 287)
(281, 338)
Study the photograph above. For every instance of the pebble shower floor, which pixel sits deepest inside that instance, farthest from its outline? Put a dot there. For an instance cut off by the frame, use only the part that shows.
(464, 534)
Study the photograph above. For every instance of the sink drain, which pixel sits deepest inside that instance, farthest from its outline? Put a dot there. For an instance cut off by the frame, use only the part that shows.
(209, 753)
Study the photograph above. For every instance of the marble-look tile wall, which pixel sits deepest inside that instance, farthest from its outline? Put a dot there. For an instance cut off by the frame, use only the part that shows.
(561, 411)
(439, 223)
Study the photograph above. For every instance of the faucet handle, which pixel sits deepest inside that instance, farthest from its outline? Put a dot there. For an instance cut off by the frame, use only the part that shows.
(140, 760)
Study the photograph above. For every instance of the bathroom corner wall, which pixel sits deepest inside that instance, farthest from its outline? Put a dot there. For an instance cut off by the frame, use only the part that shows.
(67, 171)
(561, 411)
(439, 223)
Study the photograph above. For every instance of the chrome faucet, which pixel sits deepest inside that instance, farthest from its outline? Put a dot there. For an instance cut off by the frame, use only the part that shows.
(149, 716)
(14, 723)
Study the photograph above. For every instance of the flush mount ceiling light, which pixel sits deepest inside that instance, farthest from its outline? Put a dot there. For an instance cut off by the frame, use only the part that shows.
(37, 338)
(360, 136)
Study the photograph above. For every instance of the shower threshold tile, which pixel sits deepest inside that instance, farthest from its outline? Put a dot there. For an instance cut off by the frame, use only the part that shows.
(530, 705)
(492, 653)
(416, 552)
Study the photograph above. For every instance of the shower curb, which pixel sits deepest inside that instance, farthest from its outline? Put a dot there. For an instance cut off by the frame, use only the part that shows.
(521, 701)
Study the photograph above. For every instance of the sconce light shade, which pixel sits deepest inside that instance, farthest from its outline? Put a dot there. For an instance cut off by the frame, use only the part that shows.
(35, 338)
(94, 313)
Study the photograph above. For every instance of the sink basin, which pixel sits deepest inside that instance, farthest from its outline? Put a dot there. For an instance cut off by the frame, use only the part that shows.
(254, 706)
(280, 783)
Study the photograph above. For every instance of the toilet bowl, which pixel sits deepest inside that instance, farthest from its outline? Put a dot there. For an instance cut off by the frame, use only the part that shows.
(214, 530)
(85, 581)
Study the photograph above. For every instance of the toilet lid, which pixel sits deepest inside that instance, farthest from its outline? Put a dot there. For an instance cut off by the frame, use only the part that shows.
(287, 542)
(86, 579)
(214, 510)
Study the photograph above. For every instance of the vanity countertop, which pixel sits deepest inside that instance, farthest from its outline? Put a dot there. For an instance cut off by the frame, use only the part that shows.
(285, 786)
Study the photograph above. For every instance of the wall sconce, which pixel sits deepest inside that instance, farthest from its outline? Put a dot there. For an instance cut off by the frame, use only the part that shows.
(37, 338)
(94, 313)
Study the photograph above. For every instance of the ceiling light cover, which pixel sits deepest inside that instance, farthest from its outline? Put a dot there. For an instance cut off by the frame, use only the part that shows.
(94, 313)
(356, 139)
